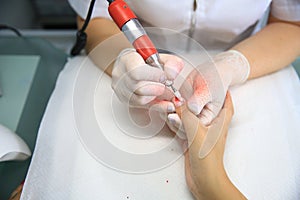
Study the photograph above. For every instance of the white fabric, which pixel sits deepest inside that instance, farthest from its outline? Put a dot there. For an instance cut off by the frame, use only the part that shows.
(12, 147)
(219, 24)
(261, 155)
(286, 9)
(82, 6)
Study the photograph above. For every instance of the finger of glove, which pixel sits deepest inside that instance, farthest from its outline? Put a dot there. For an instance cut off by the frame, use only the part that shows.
(206, 117)
(147, 73)
(197, 101)
(137, 69)
(141, 100)
(208, 113)
(145, 88)
(226, 113)
(167, 95)
(162, 106)
(175, 121)
(172, 65)
(142, 88)
(176, 127)
(171, 126)
(134, 99)
(127, 95)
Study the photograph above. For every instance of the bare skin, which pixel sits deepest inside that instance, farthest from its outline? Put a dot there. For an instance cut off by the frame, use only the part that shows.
(98, 30)
(206, 177)
(273, 48)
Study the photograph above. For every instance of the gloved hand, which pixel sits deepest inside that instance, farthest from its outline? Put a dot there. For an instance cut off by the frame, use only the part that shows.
(141, 85)
(206, 86)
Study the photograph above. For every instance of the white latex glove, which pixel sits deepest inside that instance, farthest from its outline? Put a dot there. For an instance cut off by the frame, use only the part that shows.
(141, 85)
(206, 86)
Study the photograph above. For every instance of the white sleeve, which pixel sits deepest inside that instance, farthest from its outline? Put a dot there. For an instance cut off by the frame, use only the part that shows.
(81, 7)
(286, 9)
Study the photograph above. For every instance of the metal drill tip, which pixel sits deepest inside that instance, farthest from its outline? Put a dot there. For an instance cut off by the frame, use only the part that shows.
(173, 88)
(169, 83)
(176, 93)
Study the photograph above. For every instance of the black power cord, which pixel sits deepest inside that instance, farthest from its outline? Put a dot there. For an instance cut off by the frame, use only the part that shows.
(81, 36)
(4, 27)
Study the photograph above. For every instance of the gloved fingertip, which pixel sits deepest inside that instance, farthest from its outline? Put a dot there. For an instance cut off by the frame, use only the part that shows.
(194, 107)
(174, 120)
(204, 120)
(144, 100)
(163, 107)
(163, 79)
(172, 74)
(171, 120)
(170, 108)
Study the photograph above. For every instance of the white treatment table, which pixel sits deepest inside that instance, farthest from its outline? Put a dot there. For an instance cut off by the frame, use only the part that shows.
(69, 162)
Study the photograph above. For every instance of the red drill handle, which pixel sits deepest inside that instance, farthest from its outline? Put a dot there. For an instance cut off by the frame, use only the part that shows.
(120, 12)
(127, 21)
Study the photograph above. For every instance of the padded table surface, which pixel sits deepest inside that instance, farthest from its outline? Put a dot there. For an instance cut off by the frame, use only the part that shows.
(261, 155)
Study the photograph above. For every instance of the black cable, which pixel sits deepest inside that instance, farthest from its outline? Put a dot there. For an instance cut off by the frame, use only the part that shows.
(81, 36)
(3, 27)
(88, 17)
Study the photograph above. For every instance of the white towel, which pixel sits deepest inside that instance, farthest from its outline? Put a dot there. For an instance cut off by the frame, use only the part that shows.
(260, 156)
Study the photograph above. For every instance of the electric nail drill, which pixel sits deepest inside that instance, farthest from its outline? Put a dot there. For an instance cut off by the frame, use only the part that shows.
(128, 23)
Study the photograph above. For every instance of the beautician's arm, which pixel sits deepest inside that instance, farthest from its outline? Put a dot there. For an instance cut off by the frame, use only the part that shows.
(98, 30)
(206, 176)
(273, 48)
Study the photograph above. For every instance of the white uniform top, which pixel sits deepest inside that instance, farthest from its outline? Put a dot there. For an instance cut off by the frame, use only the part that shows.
(219, 24)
